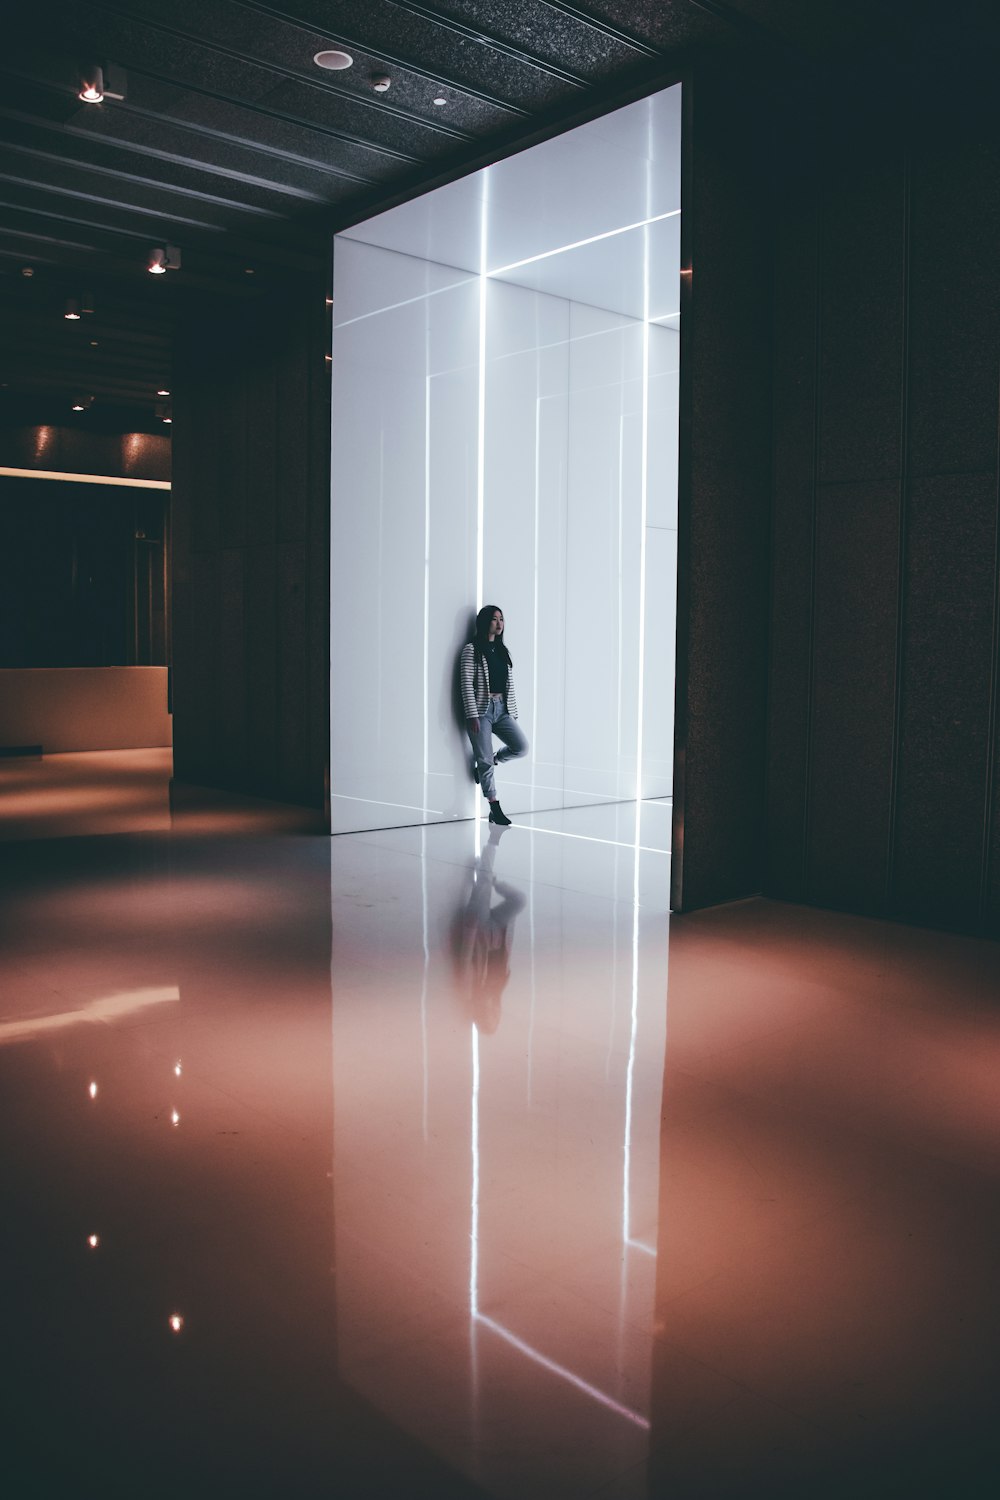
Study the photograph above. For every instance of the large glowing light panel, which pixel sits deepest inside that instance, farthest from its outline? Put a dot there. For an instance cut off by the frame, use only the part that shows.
(505, 377)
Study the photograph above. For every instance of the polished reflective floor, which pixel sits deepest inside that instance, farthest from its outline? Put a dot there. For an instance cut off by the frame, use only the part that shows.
(442, 1162)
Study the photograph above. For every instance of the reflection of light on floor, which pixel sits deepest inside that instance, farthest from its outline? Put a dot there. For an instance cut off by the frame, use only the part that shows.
(107, 1008)
(480, 1320)
(589, 838)
(474, 1231)
(381, 802)
(562, 1372)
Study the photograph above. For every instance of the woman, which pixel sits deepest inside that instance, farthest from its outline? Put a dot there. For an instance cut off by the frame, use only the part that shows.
(490, 705)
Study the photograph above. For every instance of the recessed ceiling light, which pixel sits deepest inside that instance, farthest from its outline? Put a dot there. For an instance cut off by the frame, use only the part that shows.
(439, 100)
(163, 393)
(381, 82)
(27, 270)
(333, 60)
(72, 312)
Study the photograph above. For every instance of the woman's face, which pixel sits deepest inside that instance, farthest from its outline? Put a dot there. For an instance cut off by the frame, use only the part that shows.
(496, 623)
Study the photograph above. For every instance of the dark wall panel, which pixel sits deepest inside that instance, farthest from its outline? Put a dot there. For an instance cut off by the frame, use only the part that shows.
(899, 311)
(234, 683)
(792, 527)
(262, 649)
(251, 581)
(945, 701)
(724, 482)
(991, 854)
(954, 307)
(850, 770)
(861, 310)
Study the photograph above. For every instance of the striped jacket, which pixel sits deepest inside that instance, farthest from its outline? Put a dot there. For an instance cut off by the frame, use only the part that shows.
(476, 685)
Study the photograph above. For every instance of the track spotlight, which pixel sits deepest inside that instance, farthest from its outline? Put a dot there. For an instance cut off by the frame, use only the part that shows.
(92, 84)
(99, 81)
(163, 258)
(72, 313)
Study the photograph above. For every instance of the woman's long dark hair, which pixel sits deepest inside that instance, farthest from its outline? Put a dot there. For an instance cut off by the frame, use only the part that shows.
(482, 634)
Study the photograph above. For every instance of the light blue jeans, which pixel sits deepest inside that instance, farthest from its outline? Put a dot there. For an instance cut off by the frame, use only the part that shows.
(495, 720)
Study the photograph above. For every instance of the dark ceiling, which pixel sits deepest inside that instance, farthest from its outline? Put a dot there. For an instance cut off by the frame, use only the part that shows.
(231, 144)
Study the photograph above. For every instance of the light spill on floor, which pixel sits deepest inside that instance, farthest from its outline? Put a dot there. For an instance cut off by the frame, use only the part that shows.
(441, 1162)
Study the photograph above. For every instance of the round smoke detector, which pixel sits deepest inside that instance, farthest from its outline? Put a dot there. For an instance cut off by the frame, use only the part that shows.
(333, 60)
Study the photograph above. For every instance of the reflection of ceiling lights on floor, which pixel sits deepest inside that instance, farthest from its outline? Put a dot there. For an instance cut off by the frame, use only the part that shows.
(107, 1008)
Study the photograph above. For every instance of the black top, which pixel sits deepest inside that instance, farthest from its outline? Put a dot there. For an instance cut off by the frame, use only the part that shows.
(497, 664)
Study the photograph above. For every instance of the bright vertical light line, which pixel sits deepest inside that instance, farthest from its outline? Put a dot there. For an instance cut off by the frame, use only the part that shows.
(424, 982)
(481, 414)
(531, 935)
(643, 504)
(427, 540)
(621, 537)
(630, 1082)
(474, 1229)
(481, 429)
(643, 510)
(538, 488)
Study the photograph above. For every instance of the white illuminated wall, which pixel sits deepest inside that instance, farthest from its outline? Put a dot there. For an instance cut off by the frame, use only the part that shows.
(505, 385)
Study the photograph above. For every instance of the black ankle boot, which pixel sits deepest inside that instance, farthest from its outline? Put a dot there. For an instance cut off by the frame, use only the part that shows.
(497, 815)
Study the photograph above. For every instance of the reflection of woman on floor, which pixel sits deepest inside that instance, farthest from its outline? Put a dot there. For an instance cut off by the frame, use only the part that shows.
(481, 935)
(490, 705)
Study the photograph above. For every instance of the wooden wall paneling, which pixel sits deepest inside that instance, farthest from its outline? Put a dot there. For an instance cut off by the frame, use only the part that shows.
(862, 308)
(990, 898)
(251, 504)
(230, 440)
(261, 646)
(295, 373)
(724, 491)
(854, 666)
(196, 702)
(234, 674)
(954, 306)
(261, 450)
(795, 388)
(903, 798)
(293, 709)
(947, 667)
